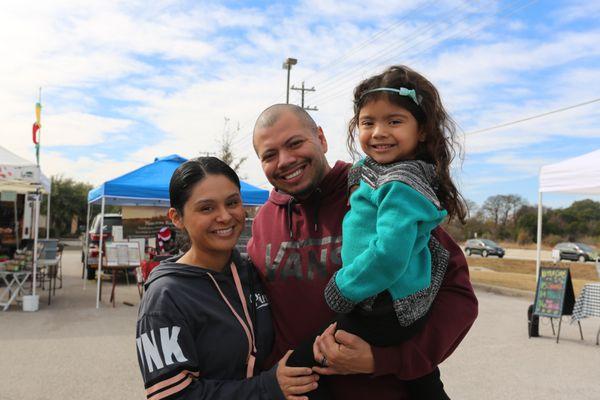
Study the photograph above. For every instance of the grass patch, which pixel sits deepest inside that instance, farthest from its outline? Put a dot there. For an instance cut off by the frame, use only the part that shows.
(520, 274)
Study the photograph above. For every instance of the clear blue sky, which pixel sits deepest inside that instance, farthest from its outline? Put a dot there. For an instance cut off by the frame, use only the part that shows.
(124, 82)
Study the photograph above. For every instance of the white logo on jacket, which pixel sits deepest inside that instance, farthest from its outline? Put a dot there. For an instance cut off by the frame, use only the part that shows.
(260, 300)
(152, 356)
(313, 258)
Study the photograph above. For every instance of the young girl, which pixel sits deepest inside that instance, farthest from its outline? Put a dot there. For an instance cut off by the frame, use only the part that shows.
(392, 265)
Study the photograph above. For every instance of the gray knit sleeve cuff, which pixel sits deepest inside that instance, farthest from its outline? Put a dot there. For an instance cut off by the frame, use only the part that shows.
(411, 308)
(335, 299)
(354, 176)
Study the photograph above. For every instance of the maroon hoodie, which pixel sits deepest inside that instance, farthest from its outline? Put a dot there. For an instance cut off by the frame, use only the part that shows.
(296, 249)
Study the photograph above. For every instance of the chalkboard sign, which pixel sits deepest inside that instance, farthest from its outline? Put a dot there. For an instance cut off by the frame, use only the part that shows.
(554, 295)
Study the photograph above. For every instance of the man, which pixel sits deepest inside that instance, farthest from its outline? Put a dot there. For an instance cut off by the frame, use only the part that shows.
(296, 244)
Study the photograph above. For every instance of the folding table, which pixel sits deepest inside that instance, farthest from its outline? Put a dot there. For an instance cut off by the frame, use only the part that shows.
(588, 304)
(14, 286)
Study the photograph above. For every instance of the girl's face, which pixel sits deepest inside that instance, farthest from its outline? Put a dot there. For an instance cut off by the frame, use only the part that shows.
(387, 132)
(213, 216)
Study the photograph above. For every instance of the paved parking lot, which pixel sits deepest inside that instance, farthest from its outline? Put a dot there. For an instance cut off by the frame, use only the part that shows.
(498, 361)
(70, 350)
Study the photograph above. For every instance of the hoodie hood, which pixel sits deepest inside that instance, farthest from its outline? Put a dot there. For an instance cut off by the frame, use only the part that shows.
(334, 179)
(332, 183)
(173, 268)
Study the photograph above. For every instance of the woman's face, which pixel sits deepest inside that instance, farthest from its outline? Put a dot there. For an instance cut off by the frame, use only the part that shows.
(213, 216)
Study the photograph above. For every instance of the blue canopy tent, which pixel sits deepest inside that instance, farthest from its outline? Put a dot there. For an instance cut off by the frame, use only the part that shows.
(148, 186)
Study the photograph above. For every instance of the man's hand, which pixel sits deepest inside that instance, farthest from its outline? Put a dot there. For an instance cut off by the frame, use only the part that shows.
(343, 353)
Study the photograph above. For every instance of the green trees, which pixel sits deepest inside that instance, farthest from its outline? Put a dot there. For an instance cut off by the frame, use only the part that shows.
(68, 205)
(509, 217)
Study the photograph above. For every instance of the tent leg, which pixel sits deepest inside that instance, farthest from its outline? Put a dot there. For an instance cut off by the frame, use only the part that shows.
(86, 247)
(99, 271)
(35, 238)
(48, 215)
(539, 238)
(17, 236)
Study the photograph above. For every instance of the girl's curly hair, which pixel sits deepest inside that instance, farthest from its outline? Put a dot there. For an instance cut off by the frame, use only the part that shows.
(439, 128)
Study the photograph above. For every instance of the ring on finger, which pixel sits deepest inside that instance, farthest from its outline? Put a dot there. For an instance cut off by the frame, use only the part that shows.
(324, 361)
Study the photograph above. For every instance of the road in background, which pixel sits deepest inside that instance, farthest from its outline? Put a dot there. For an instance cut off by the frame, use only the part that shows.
(523, 254)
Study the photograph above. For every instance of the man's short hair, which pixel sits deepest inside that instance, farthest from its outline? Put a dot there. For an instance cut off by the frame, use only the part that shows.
(271, 115)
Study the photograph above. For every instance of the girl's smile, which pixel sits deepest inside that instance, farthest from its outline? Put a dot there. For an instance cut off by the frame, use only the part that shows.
(388, 132)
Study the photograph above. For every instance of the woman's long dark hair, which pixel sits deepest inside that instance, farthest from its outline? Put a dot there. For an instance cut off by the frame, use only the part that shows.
(438, 127)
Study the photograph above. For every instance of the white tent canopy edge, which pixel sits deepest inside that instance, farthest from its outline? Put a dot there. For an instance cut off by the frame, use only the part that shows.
(577, 175)
(22, 176)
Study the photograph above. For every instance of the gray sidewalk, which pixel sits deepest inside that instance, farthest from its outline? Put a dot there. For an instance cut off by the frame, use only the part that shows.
(70, 350)
(498, 361)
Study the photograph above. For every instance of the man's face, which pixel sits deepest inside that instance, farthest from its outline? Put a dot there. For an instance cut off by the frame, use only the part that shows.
(292, 156)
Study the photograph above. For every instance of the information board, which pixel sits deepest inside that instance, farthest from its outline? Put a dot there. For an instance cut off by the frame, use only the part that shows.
(122, 254)
(554, 295)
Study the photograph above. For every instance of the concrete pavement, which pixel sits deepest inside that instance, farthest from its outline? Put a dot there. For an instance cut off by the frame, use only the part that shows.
(498, 361)
(70, 350)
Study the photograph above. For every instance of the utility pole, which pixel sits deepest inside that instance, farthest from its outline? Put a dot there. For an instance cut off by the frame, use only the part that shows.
(287, 64)
(303, 89)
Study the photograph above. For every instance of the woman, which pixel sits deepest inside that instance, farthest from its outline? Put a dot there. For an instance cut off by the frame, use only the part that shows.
(204, 324)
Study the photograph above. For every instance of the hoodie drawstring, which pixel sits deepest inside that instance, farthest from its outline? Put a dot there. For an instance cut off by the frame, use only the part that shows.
(317, 205)
(290, 205)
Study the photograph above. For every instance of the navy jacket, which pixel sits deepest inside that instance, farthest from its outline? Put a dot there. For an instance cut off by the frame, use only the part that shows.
(191, 346)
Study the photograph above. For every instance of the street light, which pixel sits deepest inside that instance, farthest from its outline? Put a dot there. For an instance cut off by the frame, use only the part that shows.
(287, 64)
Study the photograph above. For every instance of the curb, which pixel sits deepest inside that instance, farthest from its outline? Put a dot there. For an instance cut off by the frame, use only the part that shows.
(504, 291)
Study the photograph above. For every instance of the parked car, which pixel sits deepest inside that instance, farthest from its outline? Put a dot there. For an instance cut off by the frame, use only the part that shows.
(110, 220)
(575, 252)
(484, 247)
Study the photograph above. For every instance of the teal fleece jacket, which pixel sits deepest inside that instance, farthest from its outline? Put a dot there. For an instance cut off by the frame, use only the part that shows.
(386, 233)
(387, 236)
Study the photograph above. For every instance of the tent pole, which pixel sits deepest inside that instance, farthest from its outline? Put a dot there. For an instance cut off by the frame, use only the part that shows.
(35, 238)
(48, 217)
(539, 237)
(86, 247)
(17, 222)
(99, 271)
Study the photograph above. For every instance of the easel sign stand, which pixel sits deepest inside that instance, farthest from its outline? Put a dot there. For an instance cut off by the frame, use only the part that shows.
(554, 296)
(121, 256)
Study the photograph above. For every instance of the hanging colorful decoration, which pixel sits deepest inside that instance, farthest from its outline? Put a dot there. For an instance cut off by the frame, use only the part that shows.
(36, 128)
(37, 125)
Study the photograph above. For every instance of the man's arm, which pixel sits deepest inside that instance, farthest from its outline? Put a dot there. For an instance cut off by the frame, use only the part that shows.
(451, 316)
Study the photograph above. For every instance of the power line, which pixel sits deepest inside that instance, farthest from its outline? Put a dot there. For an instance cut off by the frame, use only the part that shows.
(347, 76)
(403, 46)
(363, 44)
(469, 33)
(303, 89)
(532, 117)
(385, 50)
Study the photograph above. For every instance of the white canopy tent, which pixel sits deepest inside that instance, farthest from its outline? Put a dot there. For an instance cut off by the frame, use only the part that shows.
(578, 175)
(22, 176)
